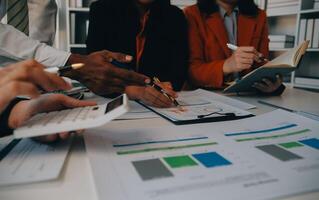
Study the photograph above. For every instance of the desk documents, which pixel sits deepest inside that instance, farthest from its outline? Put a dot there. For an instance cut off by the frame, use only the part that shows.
(202, 106)
(26, 161)
(264, 157)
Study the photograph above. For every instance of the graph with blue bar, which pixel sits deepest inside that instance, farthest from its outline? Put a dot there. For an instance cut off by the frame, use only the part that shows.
(160, 141)
(282, 127)
(314, 143)
(211, 159)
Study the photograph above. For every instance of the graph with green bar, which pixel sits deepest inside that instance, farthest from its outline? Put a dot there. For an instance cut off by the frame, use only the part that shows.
(165, 167)
(283, 135)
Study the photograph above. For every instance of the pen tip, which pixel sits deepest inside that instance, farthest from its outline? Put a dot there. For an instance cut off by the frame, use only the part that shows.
(77, 66)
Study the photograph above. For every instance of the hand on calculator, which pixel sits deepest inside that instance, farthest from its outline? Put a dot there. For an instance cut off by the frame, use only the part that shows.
(24, 110)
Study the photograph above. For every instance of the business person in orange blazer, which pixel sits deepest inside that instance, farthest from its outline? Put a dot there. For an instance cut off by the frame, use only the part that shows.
(213, 24)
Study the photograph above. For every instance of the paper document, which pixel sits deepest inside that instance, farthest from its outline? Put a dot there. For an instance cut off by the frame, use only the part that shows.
(137, 111)
(264, 157)
(217, 97)
(202, 104)
(26, 161)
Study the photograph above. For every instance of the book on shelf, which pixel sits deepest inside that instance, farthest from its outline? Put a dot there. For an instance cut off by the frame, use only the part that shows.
(283, 64)
(315, 39)
(72, 28)
(79, 26)
(280, 45)
(279, 7)
(309, 32)
(316, 4)
(80, 3)
(282, 10)
(302, 30)
(307, 81)
(307, 4)
(282, 38)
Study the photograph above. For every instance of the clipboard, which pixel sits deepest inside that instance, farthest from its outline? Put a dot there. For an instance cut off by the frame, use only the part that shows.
(198, 120)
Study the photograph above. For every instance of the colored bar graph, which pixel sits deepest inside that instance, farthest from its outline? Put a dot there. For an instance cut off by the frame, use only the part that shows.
(286, 126)
(151, 169)
(180, 161)
(290, 145)
(160, 141)
(314, 143)
(279, 153)
(165, 148)
(273, 136)
(211, 159)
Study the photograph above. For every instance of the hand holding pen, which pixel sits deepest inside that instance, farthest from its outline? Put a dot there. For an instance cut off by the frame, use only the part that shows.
(159, 86)
(242, 58)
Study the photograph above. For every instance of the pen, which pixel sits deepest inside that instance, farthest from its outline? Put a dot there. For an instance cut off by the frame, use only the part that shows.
(234, 48)
(158, 88)
(64, 69)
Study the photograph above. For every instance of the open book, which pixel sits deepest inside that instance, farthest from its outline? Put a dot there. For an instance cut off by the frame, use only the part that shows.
(283, 64)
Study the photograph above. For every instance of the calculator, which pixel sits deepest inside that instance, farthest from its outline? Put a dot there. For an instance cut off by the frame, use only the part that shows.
(73, 119)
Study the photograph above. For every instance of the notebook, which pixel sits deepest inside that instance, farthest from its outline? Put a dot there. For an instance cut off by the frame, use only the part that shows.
(283, 64)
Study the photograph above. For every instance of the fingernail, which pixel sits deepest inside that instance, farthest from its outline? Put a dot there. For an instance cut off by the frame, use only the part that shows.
(128, 58)
(147, 81)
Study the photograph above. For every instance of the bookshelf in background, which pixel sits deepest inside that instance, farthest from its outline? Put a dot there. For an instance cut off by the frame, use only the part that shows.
(290, 22)
(73, 23)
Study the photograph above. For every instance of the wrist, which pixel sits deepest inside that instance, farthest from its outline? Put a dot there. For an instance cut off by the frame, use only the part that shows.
(133, 92)
(76, 58)
(13, 120)
(227, 67)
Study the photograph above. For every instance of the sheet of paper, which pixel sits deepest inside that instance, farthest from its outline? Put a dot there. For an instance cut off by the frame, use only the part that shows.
(264, 157)
(137, 111)
(202, 103)
(25, 161)
(217, 97)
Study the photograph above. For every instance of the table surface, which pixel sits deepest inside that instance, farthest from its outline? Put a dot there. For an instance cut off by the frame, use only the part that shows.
(76, 181)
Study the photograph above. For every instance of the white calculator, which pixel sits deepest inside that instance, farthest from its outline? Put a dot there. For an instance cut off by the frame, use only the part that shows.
(73, 119)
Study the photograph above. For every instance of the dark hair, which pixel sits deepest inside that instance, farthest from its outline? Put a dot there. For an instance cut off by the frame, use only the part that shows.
(246, 7)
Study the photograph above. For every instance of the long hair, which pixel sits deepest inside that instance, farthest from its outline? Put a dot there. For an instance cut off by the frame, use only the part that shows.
(246, 7)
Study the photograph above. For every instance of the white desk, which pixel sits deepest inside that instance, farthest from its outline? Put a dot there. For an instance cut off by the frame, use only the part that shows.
(76, 180)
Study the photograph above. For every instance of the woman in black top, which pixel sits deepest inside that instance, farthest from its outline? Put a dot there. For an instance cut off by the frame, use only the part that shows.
(153, 32)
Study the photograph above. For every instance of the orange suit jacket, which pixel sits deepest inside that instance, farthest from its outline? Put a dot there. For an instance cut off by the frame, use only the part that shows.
(208, 39)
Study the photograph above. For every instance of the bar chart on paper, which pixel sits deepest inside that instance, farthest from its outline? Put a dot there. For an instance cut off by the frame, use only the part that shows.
(256, 158)
(284, 141)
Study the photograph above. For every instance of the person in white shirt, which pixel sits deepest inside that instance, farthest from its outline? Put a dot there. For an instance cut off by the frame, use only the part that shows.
(98, 74)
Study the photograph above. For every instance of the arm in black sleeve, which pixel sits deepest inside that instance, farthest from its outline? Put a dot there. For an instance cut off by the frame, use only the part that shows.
(98, 23)
(4, 118)
(179, 50)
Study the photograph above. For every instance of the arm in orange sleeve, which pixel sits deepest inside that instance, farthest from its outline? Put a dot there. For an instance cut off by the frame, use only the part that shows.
(201, 72)
(263, 46)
